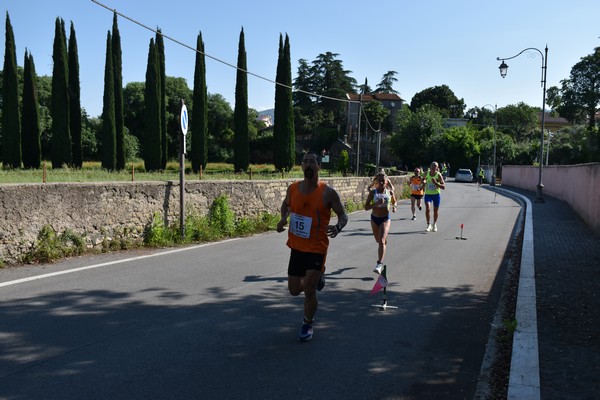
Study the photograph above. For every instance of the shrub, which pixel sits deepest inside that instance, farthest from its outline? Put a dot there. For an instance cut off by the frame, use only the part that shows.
(51, 246)
(343, 164)
(221, 217)
(157, 234)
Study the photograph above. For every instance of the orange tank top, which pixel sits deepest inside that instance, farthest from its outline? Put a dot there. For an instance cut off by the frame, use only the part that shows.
(416, 185)
(309, 219)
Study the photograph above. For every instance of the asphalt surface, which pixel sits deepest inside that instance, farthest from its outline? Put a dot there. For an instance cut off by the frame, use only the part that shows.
(567, 296)
(139, 334)
(215, 321)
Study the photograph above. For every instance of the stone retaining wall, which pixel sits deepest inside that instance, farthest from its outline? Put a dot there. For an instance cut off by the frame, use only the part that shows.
(102, 211)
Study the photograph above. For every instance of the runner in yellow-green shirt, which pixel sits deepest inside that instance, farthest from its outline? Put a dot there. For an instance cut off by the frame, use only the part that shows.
(434, 183)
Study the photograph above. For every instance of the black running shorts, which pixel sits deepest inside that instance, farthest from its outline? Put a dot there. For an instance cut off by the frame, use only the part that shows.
(301, 261)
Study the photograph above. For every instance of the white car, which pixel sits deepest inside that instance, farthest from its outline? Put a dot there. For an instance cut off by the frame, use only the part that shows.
(463, 175)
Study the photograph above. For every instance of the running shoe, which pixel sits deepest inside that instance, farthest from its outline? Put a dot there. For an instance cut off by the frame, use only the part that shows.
(420, 208)
(435, 227)
(378, 269)
(306, 332)
(429, 228)
(321, 283)
(414, 217)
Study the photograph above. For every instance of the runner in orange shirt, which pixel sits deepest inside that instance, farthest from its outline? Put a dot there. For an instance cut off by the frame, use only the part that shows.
(417, 186)
(308, 203)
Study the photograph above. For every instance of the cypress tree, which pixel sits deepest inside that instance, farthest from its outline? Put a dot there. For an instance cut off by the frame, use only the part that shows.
(109, 134)
(152, 138)
(118, 88)
(278, 128)
(160, 51)
(288, 106)
(241, 150)
(11, 123)
(284, 136)
(30, 134)
(61, 151)
(199, 122)
(75, 100)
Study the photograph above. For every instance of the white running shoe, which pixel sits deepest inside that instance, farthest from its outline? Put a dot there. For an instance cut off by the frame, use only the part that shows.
(378, 269)
(435, 227)
(429, 228)
(414, 217)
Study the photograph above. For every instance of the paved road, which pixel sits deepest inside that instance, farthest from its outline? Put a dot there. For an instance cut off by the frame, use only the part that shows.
(216, 322)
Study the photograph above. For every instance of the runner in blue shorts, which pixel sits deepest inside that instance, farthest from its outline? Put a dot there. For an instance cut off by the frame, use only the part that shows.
(434, 183)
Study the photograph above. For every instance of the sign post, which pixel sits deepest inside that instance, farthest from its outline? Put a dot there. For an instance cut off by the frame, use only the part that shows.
(183, 119)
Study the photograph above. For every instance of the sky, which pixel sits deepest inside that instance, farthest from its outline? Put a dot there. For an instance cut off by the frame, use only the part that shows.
(428, 43)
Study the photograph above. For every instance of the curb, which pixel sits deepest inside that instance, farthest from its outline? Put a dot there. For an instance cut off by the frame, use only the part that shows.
(524, 380)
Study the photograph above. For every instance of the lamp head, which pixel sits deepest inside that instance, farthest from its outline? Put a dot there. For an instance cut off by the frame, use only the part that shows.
(503, 69)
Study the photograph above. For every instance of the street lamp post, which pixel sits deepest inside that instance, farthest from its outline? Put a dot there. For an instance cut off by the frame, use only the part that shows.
(503, 70)
(494, 129)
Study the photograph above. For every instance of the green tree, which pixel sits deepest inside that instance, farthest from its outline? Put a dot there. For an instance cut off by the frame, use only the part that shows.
(220, 122)
(176, 89)
(30, 134)
(365, 88)
(387, 83)
(306, 118)
(74, 99)
(133, 109)
(44, 92)
(152, 127)
(333, 81)
(134, 115)
(519, 120)
(441, 97)
(11, 124)
(109, 130)
(118, 89)
(199, 122)
(415, 141)
(304, 85)
(162, 82)
(580, 94)
(90, 134)
(459, 146)
(327, 78)
(61, 145)
(241, 153)
(376, 114)
(284, 136)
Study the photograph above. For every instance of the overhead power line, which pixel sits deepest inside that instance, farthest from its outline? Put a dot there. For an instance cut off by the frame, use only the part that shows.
(156, 31)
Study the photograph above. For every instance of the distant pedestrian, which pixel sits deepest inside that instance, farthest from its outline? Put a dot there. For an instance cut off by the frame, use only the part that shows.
(444, 167)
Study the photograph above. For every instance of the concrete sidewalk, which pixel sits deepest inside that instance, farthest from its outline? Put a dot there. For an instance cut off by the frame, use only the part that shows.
(565, 294)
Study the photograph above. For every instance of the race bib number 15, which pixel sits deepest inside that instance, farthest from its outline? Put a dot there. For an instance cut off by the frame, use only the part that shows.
(300, 225)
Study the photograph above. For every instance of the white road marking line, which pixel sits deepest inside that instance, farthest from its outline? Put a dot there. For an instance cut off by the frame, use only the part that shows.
(125, 260)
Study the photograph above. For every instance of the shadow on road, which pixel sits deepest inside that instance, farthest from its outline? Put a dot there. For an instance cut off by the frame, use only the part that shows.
(219, 344)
